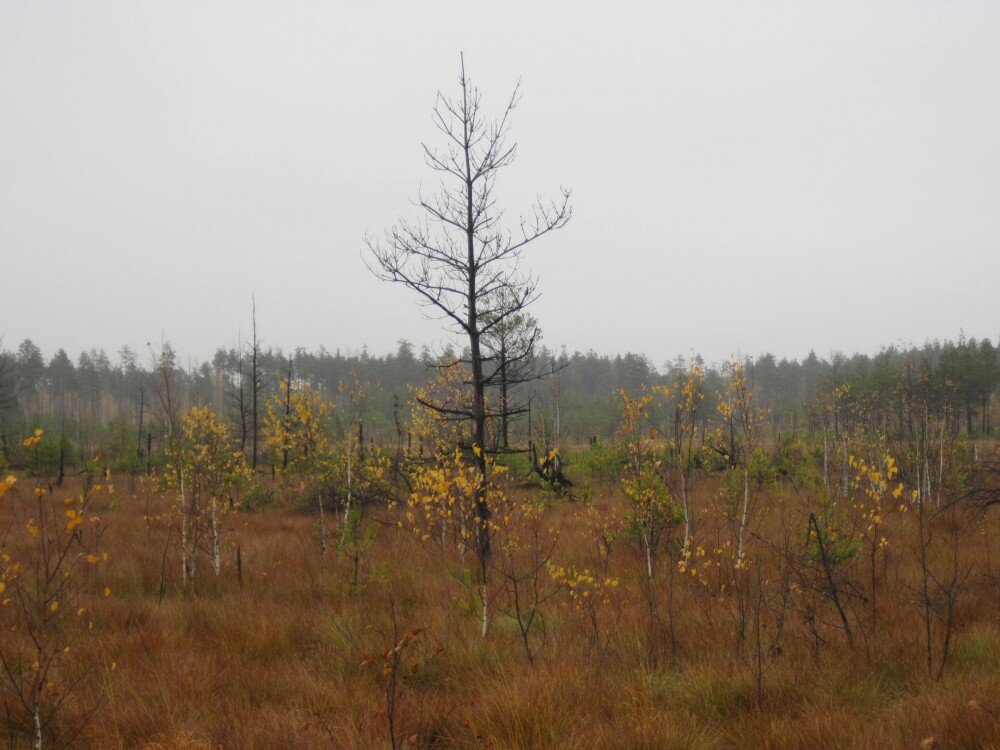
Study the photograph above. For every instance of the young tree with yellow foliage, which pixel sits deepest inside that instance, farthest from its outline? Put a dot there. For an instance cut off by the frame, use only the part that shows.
(297, 425)
(683, 401)
(744, 421)
(652, 513)
(876, 490)
(48, 575)
(209, 470)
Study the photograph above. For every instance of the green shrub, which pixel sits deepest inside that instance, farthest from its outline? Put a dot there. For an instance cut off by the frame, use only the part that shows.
(602, 460)
(259, 495)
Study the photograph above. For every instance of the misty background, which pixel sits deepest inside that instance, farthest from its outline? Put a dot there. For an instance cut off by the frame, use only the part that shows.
(747, 177)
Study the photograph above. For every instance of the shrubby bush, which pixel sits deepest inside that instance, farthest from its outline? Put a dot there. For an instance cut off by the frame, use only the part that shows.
(602, 460)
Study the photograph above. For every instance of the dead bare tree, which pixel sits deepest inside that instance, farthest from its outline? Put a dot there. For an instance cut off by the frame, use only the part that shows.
(236, 394)
(461, 260)
(510, 357)
(984, 485)
(163, 382)
(142, 412)
(256, 385)
(287, 417)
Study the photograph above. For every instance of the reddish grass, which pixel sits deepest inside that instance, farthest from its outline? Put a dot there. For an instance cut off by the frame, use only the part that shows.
(279, 662)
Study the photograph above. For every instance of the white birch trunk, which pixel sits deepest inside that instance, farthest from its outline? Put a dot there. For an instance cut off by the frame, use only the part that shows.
(216, 555)
(743, 515)
(322, 529)
(38, 729)
(688, 525)
(486, 611)
(347, 505)
(940, 468)
(826, 474)
(649, 558)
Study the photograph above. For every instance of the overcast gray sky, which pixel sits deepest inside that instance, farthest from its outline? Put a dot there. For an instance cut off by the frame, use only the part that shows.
(747, 176)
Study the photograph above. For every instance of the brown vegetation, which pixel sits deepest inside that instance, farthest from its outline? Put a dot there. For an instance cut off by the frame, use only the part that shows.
(286, 652)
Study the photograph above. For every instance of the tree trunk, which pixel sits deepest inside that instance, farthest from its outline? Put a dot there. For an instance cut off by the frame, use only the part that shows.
(649, 559)
(478, 384)
(38, 728)
(504, 401)
(826, 475)
(322, 529)
(216, 555)
(743, 515)
(288, 414)
(255, 389)
(687, 510)
(350, 488)
(486, 612)
(184, 533)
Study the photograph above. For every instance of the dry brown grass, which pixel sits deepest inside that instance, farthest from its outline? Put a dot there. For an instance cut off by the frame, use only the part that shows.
(279, 662)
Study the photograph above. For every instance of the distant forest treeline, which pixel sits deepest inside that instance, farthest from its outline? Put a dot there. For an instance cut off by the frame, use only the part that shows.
(104, 404)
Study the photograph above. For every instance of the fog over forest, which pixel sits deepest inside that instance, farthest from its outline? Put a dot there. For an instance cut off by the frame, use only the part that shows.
(747, 178)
